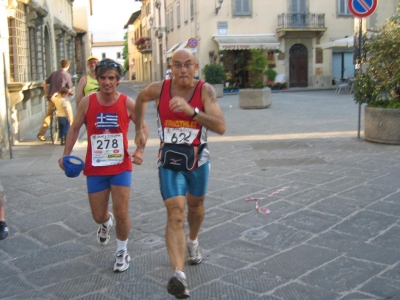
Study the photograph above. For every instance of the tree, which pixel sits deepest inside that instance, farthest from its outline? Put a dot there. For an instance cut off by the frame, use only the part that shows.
(379, 85)
(125, 53)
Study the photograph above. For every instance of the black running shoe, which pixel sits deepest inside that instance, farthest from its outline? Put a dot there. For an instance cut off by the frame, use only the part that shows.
(177, 287)
(3, 230)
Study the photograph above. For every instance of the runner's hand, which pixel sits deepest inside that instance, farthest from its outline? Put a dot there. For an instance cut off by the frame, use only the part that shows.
(137, 157)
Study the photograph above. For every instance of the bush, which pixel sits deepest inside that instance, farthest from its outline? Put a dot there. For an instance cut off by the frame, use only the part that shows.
(271, 74)
(256, 66)
(379, 86)
(214, 73)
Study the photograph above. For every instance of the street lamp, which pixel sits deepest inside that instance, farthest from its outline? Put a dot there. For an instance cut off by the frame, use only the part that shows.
(161, 29)
(218, 7)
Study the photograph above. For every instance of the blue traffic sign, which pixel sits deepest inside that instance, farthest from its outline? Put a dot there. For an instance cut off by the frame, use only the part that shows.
(362, 8)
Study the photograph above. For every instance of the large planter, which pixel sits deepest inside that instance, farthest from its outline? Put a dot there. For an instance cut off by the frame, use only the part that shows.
(382, 125)
(219, 89)
(255, 98)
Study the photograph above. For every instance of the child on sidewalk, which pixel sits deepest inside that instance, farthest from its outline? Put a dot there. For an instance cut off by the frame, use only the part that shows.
(64, 112)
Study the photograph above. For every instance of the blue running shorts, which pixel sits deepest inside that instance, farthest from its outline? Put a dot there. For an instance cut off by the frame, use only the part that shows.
(100, 183)
(176, 183)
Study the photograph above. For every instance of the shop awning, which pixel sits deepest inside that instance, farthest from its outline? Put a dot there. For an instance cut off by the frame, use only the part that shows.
(347, 42)
(171, 50)
(246, 41)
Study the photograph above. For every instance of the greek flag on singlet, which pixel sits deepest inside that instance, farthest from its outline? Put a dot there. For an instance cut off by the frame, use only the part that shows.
(107, 121)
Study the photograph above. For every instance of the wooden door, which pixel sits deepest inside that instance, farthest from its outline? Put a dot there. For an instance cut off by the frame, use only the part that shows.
(298, 66)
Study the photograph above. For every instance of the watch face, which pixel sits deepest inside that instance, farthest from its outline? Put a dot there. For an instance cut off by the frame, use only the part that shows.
(196, 110)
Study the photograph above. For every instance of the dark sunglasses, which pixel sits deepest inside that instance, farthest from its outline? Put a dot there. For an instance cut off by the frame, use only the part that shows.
(108, 63)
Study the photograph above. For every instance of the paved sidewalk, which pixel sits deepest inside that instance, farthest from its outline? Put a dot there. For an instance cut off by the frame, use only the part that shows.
(332, 233)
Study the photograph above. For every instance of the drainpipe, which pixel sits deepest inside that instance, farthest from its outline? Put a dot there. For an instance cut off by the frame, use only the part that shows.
(8, 118)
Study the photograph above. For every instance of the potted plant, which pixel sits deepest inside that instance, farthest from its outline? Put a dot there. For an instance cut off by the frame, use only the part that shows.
(378, 85)
(271, 74)
(214, 74)
(257, 96)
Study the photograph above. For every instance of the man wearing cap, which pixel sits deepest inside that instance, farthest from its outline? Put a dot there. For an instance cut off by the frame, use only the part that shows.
(88, 84)
(108, 164)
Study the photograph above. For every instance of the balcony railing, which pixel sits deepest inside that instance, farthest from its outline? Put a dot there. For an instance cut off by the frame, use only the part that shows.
(301, 20)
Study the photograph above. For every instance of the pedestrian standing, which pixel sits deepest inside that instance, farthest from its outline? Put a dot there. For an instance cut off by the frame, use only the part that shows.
(65, 115)
(168, 72)
(187, 109)
(3, 225)
(108, 165)
(88, 84)
(56, 80)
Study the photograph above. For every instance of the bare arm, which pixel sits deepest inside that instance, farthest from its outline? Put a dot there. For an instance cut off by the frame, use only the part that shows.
(73, 131)
(79, 92)
(44, 84)
(150, 93)
(138, 154)
(212, 117)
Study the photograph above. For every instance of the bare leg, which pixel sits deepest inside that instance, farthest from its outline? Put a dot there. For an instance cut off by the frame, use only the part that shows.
(174, 232)
(2, 214)
(195, 215)
(99, 206)
(120, 196)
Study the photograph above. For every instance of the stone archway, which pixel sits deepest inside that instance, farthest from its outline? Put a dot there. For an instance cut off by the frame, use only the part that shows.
(298, 66)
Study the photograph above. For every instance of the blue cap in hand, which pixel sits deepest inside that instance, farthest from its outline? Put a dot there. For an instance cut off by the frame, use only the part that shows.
(73, 169)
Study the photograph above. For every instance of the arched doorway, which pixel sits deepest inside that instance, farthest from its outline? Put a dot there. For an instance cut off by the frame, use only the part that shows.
(298, 62)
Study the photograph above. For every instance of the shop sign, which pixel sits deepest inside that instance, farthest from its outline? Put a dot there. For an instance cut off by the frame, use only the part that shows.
(242, 47)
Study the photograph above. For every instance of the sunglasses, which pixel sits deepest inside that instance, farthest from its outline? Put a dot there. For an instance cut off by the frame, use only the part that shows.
(109, 63)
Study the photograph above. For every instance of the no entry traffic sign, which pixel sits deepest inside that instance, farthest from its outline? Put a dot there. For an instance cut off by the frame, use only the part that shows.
(362, 8)
(192, 42)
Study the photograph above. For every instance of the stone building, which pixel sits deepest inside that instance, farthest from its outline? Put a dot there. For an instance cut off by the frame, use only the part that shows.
(35, 35)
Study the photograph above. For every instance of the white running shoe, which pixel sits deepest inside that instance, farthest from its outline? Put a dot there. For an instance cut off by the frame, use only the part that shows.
(122, 261)
(194, 254)
(103, 234)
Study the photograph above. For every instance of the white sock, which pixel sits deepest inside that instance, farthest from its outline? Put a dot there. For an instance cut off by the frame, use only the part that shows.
(109, 222)
(180, 273)
(122, 245)
(195, 242)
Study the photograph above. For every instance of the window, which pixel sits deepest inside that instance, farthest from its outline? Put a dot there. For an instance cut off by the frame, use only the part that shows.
(171, 20)
(241, 8)
(148, 9)
(118, 55)
(298, 6)
(36, 46)
(103, 55)
(185, 10)
(178, 14)
(343, 9)
(191, 9)
(18, 44)
(167, 20)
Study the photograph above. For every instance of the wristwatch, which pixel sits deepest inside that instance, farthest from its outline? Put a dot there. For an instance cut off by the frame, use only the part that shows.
(196, 111)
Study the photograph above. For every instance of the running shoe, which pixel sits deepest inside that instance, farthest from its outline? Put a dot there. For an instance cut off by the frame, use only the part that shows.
(3, 230)
(103, 234)
(122, 261)
(177, 287)
(194, 254)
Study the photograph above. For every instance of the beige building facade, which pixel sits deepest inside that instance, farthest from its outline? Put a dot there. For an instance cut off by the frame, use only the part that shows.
(291, 32)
